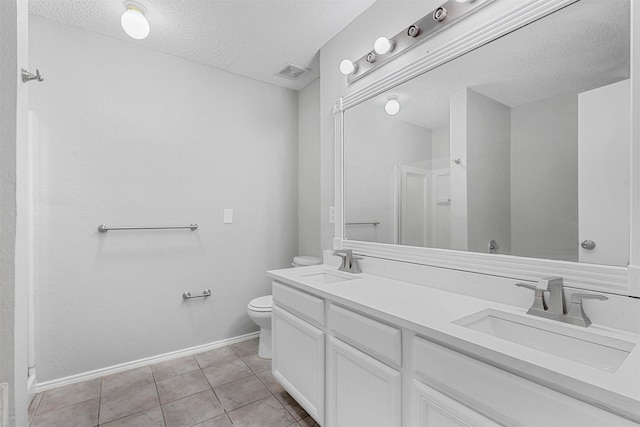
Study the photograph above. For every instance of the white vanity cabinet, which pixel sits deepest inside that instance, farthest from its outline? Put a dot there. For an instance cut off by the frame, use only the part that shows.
(451, 389)
(361, 389)
(298, 357)
(349, 366)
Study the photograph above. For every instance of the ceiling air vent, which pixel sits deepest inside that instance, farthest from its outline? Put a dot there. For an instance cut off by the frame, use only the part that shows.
(292, 71)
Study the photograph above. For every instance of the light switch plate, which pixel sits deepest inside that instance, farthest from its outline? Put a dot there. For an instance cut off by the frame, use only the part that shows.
(228, 216)
(332, 214)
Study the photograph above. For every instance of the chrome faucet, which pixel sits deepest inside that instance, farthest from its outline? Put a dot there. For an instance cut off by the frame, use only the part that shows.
(555, 308)
(349, 262)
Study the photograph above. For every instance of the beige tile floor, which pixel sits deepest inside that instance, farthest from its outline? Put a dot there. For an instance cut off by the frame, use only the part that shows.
(228, 386)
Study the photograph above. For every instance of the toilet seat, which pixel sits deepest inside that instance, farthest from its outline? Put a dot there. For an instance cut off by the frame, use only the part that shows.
(261, 304)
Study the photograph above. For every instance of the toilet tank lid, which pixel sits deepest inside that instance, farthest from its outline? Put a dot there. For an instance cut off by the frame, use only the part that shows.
(307, 260)
(265, 302)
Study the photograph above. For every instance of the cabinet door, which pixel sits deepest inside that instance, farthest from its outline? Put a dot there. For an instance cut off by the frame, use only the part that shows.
(433, 409)
(298, 361)
(361, 390)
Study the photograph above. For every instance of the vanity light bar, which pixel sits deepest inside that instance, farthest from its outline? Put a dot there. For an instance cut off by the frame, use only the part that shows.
(415, 34)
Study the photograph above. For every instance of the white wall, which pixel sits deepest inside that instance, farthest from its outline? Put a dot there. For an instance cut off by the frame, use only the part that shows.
(374, 144)
(459, 187)
(488, 172)
(544, 178)
(130, 136)
(309, 170)
(13, 242)
(480, 189)
(441, 146)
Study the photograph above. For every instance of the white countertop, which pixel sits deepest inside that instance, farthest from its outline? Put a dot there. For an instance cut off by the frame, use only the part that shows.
(431, 313)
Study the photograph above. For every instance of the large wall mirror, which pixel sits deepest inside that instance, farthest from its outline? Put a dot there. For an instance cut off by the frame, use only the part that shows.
(519, 147)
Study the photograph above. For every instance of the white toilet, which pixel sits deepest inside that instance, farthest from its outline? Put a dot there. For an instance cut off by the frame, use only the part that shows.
(259, 309)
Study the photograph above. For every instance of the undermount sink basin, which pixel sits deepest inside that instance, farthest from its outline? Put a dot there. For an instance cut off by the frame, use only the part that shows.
(326, 277)
(583, 347)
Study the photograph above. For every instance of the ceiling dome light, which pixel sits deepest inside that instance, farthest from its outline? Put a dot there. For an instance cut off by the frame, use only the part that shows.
(383, 45)
(133, 21)
(348, 67)
(392, 106)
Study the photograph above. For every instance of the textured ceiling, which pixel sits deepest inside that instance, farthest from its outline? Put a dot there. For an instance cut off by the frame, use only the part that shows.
(575, 49)
(253, 38)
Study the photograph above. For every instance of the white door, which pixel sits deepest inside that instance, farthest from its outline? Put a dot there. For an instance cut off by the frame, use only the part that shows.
(440, 209)
(298, 360)
(361, 391)
(413, 206)
(603, 174)
(433, 409)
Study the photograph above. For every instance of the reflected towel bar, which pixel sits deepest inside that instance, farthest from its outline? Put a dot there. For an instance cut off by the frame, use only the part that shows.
(104, 227)
(205, 293)
(374, 223)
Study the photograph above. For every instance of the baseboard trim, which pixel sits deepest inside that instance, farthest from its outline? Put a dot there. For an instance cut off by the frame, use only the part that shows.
(48, 385)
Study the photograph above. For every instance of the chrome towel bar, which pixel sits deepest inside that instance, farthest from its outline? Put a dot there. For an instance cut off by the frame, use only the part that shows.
(104, 227)
(374, 223)
(205, 293)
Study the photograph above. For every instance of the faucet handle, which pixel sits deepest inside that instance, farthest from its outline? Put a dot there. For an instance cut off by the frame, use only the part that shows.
(528, 286)
(577, 297)
(539, 304)
(347, 256)
(343, 253)
(355, 266)
(576, 314)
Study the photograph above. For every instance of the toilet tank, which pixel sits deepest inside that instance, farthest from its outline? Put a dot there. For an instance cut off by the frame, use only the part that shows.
(305, 260)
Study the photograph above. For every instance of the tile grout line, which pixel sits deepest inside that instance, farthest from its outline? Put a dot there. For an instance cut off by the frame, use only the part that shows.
(99, 403)
(266, 397)
(35, 412)
(215, 394)
(134, 413)
(155, 383)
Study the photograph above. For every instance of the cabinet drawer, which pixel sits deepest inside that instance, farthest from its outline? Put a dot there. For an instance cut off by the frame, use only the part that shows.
(301, 304)
(376, 338)
(500, 395)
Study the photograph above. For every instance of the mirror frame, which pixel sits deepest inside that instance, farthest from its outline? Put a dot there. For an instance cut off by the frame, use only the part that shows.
(602, 278)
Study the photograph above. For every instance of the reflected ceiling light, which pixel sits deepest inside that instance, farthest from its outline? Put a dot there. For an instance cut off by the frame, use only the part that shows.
(133, 21)
(392, 106)
(348, 67)
(383, 45)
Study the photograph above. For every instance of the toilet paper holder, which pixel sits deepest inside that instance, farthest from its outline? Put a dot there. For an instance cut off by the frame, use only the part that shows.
(205, 293)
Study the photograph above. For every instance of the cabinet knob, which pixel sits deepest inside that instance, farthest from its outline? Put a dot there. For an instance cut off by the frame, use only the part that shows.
(588, 245)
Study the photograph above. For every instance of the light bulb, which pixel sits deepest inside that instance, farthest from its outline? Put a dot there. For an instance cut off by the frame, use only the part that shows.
(392, 106)
(134, 23)
(347, 67)
(383, 45)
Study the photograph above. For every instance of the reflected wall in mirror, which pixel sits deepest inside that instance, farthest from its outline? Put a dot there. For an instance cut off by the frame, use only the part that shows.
(519, 147)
